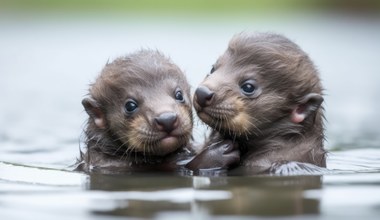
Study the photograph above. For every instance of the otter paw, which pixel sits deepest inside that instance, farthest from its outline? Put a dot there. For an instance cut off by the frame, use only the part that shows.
(220, 155)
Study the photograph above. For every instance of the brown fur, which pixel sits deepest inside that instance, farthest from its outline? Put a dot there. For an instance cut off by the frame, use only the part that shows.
(283, 119)
(117, 139)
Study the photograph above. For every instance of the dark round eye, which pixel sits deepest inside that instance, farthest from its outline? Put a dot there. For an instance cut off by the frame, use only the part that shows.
(248, 87)
(212, 69)
(179, 96)
(130, 106)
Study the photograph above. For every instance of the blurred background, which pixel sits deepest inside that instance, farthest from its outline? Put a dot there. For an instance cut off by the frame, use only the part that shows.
(51, 50)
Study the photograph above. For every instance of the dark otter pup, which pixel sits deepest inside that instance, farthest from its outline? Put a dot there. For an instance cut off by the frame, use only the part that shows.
(140, 114)
(265, 94)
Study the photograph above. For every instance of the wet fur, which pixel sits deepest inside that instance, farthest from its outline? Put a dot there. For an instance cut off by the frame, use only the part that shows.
(130, 142)
(261, 125)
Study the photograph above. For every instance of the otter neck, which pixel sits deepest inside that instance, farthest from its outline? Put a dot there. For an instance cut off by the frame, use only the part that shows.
(283, 134)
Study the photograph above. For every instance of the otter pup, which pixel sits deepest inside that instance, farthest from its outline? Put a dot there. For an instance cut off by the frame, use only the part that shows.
(265, 94)
(140, 118)
(140, 114)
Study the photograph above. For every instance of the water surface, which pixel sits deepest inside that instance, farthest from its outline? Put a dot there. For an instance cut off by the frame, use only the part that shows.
(47, 64)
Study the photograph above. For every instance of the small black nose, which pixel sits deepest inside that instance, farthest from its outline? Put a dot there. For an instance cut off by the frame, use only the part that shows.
(204, 96)
(167, 121)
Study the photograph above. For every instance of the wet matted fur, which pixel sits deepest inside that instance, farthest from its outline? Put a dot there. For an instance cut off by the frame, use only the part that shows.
(140, 114)
(265, 94)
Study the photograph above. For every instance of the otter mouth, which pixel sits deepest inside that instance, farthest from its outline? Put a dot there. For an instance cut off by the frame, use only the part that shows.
(160, 137)
(226, 120)
(216, 121)
(162, 143)
(167, 143)
(216, 114)
(169, 140)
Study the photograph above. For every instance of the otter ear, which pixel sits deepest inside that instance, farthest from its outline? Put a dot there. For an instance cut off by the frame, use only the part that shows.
(309, 104)
(93, 110)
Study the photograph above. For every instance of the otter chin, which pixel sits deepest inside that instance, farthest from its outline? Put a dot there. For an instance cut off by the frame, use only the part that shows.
(140, 113)
(170, 143)
(264, 94)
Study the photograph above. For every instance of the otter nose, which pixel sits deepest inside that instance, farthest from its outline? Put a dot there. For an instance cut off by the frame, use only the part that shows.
(167, 121)
(204, 96)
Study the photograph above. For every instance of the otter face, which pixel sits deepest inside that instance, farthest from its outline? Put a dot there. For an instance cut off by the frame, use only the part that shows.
(142, 102)
(260, 80)
(233, 100)
(156, 120)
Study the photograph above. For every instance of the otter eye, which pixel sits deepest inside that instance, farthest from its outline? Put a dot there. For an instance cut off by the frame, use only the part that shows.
(130, 106)
(179, 96)
(212, 69)
(248, 88)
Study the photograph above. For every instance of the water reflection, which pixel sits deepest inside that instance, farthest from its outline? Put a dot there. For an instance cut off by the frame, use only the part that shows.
(164, 195)
(217, 196)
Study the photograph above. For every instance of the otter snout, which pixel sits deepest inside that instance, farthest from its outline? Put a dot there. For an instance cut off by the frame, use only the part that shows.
(167, 121)
(204, 96)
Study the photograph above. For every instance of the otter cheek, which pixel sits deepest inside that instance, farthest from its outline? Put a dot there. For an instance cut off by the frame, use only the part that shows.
(134, 138)
(204, 117)
(241, 122)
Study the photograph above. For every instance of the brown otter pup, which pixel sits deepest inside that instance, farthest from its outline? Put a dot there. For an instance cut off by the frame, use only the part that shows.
(139, 114)
(265, 94)
(140, 117)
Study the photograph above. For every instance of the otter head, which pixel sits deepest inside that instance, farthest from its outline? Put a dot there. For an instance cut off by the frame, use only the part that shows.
(141, 102)
(261, 82)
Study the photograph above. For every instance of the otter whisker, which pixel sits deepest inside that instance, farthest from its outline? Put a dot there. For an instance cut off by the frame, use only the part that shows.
(274, 111)
(116, 135)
